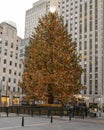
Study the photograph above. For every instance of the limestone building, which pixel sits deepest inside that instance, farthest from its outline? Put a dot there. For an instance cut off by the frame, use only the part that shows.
(39, 8)
(84, 19)
(10, 64)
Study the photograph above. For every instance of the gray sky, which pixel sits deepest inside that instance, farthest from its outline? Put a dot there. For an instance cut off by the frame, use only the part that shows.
(14, 10)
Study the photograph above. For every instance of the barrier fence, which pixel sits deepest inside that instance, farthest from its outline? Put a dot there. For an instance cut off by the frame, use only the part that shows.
(29, 110)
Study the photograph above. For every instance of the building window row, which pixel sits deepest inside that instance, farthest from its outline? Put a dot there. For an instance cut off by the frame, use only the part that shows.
(10, 72)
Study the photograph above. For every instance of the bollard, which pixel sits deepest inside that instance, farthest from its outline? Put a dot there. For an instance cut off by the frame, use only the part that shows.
(17, 111)
(7, 111)
(48, 113)
(51, 118)
(61, 112)
(22, 121)
(32, 112)
(39, 112)
(83, 115)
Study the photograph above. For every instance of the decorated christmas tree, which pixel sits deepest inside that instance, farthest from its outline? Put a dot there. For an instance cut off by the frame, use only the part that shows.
(51, 65)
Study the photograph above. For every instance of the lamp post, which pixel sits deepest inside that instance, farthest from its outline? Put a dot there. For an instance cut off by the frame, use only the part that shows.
(100, 102)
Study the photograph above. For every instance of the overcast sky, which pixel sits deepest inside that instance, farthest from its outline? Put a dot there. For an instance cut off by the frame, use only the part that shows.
(14, 10)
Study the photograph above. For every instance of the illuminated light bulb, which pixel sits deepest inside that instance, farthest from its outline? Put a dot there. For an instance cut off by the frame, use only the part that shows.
(52, 9)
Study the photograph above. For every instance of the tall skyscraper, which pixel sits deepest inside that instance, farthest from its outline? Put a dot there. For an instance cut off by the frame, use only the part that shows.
(39, 9)
(10, 64)
(84, 19)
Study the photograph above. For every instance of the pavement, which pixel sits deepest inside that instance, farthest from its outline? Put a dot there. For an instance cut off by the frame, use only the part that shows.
(14, 122)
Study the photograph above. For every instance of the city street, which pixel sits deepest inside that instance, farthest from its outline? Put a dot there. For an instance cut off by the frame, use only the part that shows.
(44, 123)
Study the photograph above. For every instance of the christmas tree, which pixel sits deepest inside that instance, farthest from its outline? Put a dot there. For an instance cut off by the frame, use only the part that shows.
(52, 71)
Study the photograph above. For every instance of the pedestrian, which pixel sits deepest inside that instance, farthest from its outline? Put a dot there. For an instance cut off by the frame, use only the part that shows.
(70, 111)
(70, 114)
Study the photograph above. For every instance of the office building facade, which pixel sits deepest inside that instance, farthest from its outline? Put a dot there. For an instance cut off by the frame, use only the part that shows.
(39, 9)
(10, 64)
(84, 19)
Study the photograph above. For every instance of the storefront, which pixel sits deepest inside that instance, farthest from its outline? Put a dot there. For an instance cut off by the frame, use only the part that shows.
(5, 101)
(16, 101)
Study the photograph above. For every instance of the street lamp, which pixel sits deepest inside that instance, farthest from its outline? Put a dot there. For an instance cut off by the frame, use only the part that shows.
(100, 102)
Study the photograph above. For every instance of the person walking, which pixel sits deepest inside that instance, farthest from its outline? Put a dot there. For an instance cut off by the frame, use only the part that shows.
(70, 110)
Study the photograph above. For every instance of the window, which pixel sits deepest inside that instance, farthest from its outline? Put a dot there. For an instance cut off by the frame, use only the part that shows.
(85, 26)
(19, 65)
(9, 88)
(6, 43)
(85, 36)
(80, 30)
(16, 56)
(90, 6)
(14, 89)
(90, 1)
(14, 80)
(16, 47)
(12, 45)
(96, 46)
(90, 58)
(4, 61)
(90, 87)
(10, 63)
(96, 82)
(96, 87)
(96, 75)
(3, 78)
(18, 90)
(80, 7)
(96, 61)
(90, 44)
(4, 70)
(11, 54)
(90, 25)
(5, 51)
(9, 80)
(80, 46)
(0, 49)
(85, 77)
(10, 71)
(96, 69)
(90, 67)
(19, 74)
(85, 45)
(85, 6)
(15, 73)
(0, 40)
(90, 76)
(15, 64)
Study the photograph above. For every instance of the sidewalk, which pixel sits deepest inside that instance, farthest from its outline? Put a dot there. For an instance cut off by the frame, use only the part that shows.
(15, 122)
(80, 119)
(44, 123)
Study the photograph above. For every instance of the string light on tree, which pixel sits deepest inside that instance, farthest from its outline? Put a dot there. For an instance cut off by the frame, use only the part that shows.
(52, 9)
